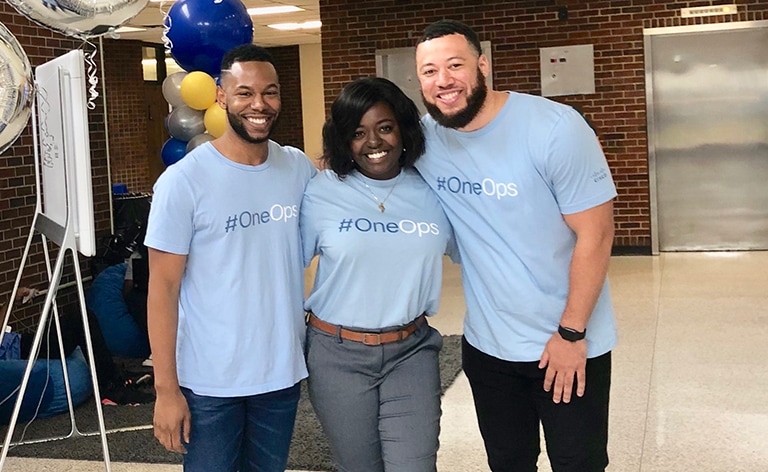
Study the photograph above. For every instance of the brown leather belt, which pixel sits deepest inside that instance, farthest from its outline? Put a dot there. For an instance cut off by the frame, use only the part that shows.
(369, 339)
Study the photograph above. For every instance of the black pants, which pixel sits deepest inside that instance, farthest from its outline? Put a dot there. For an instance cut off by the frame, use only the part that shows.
(73, 335)
(510, 402)
(136, 301)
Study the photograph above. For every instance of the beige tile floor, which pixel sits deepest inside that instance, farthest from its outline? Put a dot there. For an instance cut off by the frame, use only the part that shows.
(690, 382)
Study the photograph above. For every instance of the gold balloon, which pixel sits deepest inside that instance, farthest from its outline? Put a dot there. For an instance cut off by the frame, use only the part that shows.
(16, 89)
(198, 90)
(215, 120)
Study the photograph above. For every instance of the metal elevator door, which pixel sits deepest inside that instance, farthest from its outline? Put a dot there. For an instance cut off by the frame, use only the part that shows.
(708, 136)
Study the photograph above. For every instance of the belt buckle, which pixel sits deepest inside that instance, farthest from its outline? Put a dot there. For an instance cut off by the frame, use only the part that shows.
(376, 339)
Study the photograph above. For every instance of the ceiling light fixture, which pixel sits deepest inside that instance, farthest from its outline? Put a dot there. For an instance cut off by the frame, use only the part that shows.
(129, 29)
(273, 10)
(297, 26)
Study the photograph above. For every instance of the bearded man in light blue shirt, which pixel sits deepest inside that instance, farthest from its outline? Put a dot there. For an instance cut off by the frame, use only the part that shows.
(525, 184)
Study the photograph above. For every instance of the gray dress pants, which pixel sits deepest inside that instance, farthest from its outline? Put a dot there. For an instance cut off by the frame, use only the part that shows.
(379, 405)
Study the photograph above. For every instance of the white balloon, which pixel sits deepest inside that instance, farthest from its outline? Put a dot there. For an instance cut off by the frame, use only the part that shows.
(198, 140)
(172, 89)
(80, 18)
(16, 89)
(184, 123)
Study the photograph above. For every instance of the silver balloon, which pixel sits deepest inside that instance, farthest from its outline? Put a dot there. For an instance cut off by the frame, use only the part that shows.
(16, 89)
(184, 123)
(80, 18)
(198, 140)
(172, 89)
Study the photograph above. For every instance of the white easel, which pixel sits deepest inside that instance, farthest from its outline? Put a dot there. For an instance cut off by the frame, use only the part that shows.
(66, 238)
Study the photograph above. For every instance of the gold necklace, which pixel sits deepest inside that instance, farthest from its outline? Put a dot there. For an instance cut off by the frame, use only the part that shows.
(381, 202)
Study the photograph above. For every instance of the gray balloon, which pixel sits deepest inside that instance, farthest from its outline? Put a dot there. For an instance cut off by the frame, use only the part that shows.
(16, 89)
(172, 89)
(198, 140)
(184, 123)
(80, 18)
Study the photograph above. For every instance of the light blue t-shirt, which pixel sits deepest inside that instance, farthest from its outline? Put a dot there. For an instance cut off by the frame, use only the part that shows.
(241, 326)
(505, 188)
(376, 269)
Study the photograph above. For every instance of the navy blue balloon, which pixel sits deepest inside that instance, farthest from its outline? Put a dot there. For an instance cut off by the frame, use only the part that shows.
(173, 150)
(201, 32)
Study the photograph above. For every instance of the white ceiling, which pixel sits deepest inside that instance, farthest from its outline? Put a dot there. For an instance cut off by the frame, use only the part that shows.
(151, 18)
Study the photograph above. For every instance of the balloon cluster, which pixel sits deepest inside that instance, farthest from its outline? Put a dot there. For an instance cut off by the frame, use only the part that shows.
(196, 117)
(199, 33)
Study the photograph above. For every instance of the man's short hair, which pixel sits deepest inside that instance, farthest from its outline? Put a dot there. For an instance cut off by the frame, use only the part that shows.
(442, 28)
(246, 53)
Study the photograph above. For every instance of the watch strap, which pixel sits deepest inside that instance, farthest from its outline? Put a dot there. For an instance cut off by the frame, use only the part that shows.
(570, 334)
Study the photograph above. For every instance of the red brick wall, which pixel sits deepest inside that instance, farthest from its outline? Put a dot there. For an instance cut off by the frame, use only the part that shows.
(126, 114)
(353, 31)
(290, 127)
(17, 175)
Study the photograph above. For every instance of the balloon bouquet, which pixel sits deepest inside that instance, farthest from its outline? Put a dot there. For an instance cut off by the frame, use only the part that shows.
(199, 33)
(83, 19)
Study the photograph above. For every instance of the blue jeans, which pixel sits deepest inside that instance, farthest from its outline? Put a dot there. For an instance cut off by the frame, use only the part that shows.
(249, 434)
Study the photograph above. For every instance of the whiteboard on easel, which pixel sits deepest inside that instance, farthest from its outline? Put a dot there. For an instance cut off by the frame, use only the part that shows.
(65, 154)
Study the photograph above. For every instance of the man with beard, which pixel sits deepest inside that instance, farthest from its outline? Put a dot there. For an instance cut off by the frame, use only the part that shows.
(225, 316)
(529, 194)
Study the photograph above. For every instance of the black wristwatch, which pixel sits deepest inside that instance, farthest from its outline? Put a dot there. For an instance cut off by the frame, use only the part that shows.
(570, 334)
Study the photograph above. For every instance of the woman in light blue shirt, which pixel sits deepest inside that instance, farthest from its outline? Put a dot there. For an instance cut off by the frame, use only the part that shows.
(380, 235)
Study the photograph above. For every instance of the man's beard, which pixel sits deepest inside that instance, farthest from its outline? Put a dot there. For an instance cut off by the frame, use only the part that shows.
(236, 122)
(475, 101)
